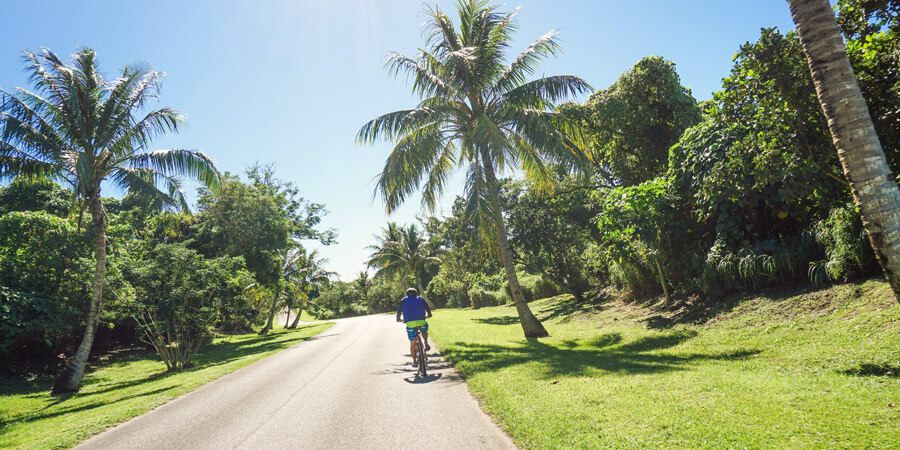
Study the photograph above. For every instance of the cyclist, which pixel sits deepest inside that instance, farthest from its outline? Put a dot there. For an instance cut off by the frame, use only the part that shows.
(414, 310)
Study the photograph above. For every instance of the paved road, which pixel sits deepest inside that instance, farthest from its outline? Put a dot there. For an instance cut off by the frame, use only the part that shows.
(350, 387)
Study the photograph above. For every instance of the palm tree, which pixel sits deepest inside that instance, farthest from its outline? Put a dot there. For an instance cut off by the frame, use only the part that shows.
(310, 275)
(83, 129)
(363, 283)
(481, 113)
(873, 185)
(409, 254)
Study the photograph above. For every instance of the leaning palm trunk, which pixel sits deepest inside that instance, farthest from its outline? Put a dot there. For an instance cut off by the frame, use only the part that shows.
(873, 186)
(531, 326)
(271, 321)
(297, 319)
(421, 289)
(70, 379)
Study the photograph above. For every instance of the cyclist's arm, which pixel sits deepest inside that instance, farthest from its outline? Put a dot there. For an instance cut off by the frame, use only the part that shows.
(399, 310)
(427, 309)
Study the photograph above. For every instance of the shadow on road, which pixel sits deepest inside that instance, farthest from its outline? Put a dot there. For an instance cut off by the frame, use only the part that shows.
(416, 380)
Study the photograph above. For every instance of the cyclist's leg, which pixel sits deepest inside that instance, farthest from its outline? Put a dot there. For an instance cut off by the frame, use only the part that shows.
(425, 336)
(413, 349)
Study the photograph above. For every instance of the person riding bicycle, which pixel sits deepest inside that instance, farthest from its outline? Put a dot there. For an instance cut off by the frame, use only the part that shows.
(414, 310)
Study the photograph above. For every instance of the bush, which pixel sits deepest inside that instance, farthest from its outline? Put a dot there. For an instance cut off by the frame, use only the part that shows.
(180, 294)
(533, 287)
(847, 250)
(447, 292)
(481, 298)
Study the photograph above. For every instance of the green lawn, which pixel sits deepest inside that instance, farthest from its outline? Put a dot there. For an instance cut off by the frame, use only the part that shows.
(122, 386)
(787, 370)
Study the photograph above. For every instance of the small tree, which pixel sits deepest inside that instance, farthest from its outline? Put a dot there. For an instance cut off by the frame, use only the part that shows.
(636, 220)
(179, 295)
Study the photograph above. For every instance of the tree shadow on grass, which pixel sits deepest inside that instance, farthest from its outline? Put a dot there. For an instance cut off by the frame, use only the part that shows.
(498, 320)
(605, 353)
(27, 418)
(211, 354)
(565, 309)
(874, 370)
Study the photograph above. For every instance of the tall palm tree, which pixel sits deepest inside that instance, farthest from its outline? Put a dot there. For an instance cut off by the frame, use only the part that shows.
(410, 254)
(83, 129)
(873, 185)
(480, 113)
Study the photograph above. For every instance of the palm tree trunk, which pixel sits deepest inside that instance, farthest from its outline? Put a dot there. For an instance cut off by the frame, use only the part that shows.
(873, 185)
(530, 324)
(287, 320)
(271, 321)
(297, 319)
(422, 291)
(70, 378)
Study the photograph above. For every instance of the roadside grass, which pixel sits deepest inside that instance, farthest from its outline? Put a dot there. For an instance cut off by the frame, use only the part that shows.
(124, 385)
(781, 370)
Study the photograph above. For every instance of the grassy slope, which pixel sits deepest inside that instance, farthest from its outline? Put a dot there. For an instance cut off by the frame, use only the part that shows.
(123, 386)
(807, 369)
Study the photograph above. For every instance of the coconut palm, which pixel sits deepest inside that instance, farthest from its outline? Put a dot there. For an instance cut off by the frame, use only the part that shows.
(479, 113)
(311, 274)
(873, 185)
(410, 254)
(362, 284)
(84, 130)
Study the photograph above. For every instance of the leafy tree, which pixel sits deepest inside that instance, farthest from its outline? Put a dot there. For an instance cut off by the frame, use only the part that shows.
(872, 31)
(481, 113)
(632, 124)
(261, 221)
(36, 194)
(638, 221)
(873, 185)
(84, 129)
(41, 293)
(548, 233)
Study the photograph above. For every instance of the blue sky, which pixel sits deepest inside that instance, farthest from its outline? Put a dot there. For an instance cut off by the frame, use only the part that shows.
(290, 82)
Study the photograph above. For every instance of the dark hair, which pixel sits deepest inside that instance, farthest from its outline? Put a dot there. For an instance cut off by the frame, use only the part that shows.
(411, 291)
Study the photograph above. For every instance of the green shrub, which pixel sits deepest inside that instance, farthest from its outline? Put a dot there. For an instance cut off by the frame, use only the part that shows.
(847, 250)
(533, 287)
(482, 298)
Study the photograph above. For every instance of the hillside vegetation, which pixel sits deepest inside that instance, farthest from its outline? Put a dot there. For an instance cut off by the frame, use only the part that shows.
(802, 368)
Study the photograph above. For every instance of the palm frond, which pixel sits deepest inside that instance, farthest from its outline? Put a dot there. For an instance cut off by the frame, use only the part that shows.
(150, 186)
(413, 155)
(425, 81)
(178, 162)
(544, 92)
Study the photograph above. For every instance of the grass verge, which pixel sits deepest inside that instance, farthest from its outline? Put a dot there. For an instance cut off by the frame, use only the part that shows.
(783, 370)
(122, 386)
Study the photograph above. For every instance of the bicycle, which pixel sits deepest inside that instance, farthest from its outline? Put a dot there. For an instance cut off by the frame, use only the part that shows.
(420, 354)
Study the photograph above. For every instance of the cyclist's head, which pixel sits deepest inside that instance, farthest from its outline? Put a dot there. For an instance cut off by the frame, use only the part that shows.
(411, 292)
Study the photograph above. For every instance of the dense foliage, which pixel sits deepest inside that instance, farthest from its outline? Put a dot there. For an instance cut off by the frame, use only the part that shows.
(173, 279)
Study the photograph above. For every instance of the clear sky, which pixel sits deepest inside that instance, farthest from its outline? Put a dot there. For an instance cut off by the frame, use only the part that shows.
(290, 82)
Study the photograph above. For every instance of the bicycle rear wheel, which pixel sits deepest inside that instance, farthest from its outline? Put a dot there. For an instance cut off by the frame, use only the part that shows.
(423, 364)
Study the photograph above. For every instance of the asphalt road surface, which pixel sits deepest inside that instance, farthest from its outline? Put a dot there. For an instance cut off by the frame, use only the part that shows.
(352, 386)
